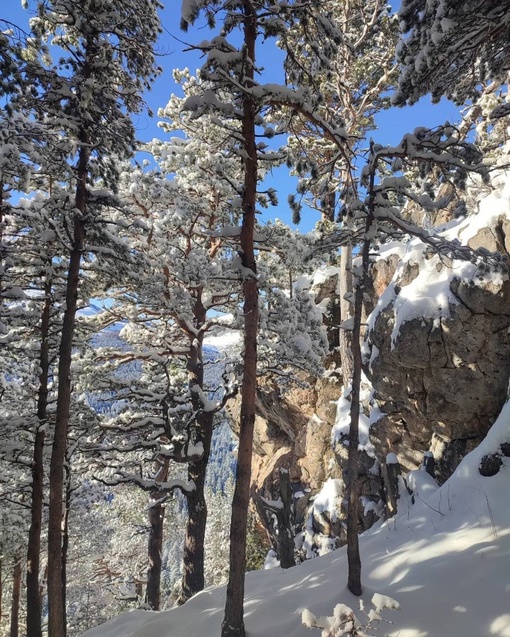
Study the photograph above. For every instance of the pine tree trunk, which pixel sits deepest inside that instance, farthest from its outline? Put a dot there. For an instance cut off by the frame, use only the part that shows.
(36, 506)
(345, 287)
(155, 544)
(56, 608)
(233, 623)
(65, 536)
(16, 591)
(193, 577)
(1, 583)
(361, 280)
(353, 555)
(286, 537)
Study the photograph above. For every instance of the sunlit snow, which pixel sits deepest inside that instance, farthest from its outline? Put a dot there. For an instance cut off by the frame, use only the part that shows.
(445, 560)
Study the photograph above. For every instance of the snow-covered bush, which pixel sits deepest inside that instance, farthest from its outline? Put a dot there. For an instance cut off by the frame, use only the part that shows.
(345, 622)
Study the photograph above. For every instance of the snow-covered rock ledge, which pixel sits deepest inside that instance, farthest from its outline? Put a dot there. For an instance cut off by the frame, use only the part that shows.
(438, 350)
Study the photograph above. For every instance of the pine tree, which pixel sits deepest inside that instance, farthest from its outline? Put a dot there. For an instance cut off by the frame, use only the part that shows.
(379, 214)
(452, 48)
(232, 68)
(106, 59)
(171, 311)
(354, 87)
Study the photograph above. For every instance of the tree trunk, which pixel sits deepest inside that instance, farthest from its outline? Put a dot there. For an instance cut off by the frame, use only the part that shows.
(353, 555)
(155, 544)
(286, 537)
(34, 628)
(65, 535)
(233, 624)
(360, 284)
(277, 521)
(193, 577)
(56, 609)
(36, 506)
(345, 287)
(16, 590)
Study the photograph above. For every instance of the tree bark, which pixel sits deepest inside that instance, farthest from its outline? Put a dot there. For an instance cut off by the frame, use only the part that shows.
(193, 577)
(345, 287)
(277, 521)
(361, 281)
(286, 538)
(353, 555)
(16, 591)
(34, 628)
(155, 544)
(65, 535)
(233, 623)
(56, 609)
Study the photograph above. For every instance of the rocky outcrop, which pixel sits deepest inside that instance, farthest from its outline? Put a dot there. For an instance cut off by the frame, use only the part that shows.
(293, 431)
(438, 359)
(442, 379)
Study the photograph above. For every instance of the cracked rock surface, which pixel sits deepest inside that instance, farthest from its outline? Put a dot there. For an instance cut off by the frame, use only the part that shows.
(442, 382)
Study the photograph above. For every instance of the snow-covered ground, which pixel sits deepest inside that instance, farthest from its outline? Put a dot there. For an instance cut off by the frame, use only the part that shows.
(445, 559)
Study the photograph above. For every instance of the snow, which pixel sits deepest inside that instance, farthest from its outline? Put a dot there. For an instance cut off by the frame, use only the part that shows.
(391, 458)
(445, 560)
(224, 341)
(329, 498)
(421, 483)
(343, 417)
(324, 273)
(428, 295)
(271, 561)
(494, 205)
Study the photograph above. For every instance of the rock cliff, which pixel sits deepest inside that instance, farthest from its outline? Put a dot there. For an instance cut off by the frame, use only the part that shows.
(437, 356)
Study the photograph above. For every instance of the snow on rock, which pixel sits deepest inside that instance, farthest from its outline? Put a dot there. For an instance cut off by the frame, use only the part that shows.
(271, 561)
(329, 498)
(438, 352)
(421, 483)
(343, 417)
(427, 296)
(323, 274)
(323, 524)
(225, 341)
(391, 458)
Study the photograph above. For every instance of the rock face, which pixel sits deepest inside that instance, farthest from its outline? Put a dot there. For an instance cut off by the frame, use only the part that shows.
(293, 431)
(442, 381)
(440, 378)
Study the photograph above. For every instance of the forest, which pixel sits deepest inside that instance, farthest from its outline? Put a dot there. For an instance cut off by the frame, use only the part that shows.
(192, 389)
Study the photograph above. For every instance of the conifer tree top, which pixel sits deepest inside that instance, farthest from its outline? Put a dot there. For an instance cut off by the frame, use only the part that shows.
(451, 47)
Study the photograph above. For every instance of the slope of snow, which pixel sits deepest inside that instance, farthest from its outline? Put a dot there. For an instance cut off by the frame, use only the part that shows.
(446, 560)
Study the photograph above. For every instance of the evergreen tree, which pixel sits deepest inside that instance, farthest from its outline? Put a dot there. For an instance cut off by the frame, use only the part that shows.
(452, 48)
(105, 59)
(232, 70)
(353, 87)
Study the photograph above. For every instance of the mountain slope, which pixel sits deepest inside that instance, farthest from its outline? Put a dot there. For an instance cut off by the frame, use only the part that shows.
(445, 559)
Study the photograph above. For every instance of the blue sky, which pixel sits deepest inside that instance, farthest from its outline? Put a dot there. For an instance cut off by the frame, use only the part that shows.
(392, 124)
